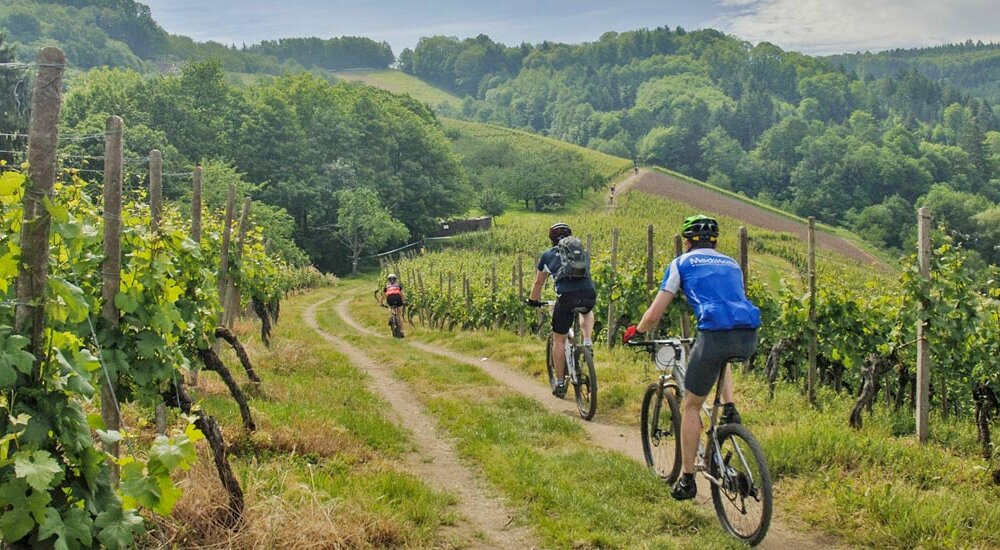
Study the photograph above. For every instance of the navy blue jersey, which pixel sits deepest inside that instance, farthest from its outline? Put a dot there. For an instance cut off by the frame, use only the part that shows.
(549, 263)
(713, 284)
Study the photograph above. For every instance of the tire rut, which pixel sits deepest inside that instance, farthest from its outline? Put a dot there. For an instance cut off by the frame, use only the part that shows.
(435, 460)
(613, 437)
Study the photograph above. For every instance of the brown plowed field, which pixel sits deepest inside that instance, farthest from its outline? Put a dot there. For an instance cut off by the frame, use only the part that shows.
(706, 200)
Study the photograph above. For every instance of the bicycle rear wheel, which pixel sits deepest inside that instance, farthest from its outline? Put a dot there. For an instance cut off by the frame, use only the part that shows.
(744, 500)
(660, 423)
(586, 387)
(550, 366)
(397, 326)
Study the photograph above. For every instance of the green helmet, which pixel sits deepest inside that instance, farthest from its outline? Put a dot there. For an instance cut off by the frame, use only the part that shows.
(700, 227)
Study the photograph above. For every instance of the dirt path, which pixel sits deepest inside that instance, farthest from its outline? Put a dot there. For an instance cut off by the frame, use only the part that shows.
(700, 198)
(614, 437)
(435, 460)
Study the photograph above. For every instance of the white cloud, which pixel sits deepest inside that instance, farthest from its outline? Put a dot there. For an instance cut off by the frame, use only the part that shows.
(832, 26)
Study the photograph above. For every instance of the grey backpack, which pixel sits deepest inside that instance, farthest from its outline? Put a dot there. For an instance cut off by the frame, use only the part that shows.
(574, 262)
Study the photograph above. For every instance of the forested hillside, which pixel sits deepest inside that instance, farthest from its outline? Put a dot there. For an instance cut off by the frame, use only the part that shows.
(785, 128)
(973, 67)
(122, 33)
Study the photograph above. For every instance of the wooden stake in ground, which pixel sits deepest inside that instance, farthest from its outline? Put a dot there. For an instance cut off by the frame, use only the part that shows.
(232, 296)
(650, 282)
(46, 102)
(227, 230)
(520, 294)
(744, 256)
(923, 348)
(155, 188)
(685, 319)
(811, 382)
(111, 268)
(612, 322)
(196, 206)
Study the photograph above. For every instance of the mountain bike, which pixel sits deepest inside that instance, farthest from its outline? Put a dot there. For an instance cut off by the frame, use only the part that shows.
(579, 366)
(735, 467)
(395, 319)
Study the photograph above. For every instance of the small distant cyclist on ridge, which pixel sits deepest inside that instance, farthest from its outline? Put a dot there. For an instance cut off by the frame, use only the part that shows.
(727, 328)
(569, 265)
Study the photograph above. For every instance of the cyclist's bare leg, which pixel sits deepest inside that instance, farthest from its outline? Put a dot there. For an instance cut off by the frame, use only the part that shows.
(559, 354)
(587, 325)
(727, 386)
(690, 429)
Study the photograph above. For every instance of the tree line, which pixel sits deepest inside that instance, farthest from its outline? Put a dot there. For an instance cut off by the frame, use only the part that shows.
(123, 33)
(785, 128)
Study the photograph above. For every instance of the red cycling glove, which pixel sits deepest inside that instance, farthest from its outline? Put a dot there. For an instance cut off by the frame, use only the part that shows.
(631, 332)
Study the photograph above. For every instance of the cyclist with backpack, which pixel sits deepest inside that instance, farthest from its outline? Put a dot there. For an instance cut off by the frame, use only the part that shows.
(393, 292)
(727, 329)
(569, 265)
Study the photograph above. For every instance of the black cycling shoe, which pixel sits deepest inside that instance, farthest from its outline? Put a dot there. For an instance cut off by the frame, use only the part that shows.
(559, 390)
(730, 415)
(685, 488)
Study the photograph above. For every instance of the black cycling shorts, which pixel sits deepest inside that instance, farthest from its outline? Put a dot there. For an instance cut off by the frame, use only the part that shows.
(562, 313)
(394, 300)
(712, 350)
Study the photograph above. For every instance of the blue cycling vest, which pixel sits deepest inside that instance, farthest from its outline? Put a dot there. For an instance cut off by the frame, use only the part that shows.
(713, 284)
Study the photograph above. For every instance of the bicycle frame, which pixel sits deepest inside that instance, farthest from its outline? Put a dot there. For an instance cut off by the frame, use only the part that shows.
(570, 346)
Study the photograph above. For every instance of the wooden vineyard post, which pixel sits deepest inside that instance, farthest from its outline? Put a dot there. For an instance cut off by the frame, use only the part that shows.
(468, 294)
(440, 282)
(155, 210)
(685, 318)
(155, 188)
(111, 269)
(43, 137)
(227, 234)
(449, 288)
(650, 282)
(923, 348)
(612, 322)
(520, 294)
(420, 288)
(744, 256)
(811, 388)
(232, 296)
(196, 206)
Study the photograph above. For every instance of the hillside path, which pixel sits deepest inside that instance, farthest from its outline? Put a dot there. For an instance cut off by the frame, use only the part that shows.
(702, 199)
(435, 460)
(613, 437)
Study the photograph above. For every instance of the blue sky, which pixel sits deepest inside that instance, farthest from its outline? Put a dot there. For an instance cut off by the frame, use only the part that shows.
(811, 26)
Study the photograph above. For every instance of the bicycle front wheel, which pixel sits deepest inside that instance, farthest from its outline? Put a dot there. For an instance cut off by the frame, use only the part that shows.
(586, 387)
(660, 423)
(743, 500)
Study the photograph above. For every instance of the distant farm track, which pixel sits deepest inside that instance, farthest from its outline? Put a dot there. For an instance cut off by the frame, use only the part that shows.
(706, 200)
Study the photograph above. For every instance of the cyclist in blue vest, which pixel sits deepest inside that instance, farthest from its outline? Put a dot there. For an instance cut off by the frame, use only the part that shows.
(727, 329)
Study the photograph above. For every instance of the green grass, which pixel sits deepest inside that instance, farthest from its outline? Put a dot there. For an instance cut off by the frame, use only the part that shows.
(609, 167)
(325, 463)
(401, 83)
(574, 494)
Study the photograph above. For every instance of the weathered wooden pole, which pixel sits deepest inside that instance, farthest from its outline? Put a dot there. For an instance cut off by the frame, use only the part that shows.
(685, 319)
(43, 137)
(811, 382)
(111, 268)
(612, 322)
(493, 281)
(923, 347)
(232, 296)
(227, 230)
(744, 256)
(155, 188)
(520, 294)
(196, 206)
(650, 281)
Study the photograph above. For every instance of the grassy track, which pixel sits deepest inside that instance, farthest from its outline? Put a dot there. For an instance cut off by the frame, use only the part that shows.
(326, 466)
(575, 495)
